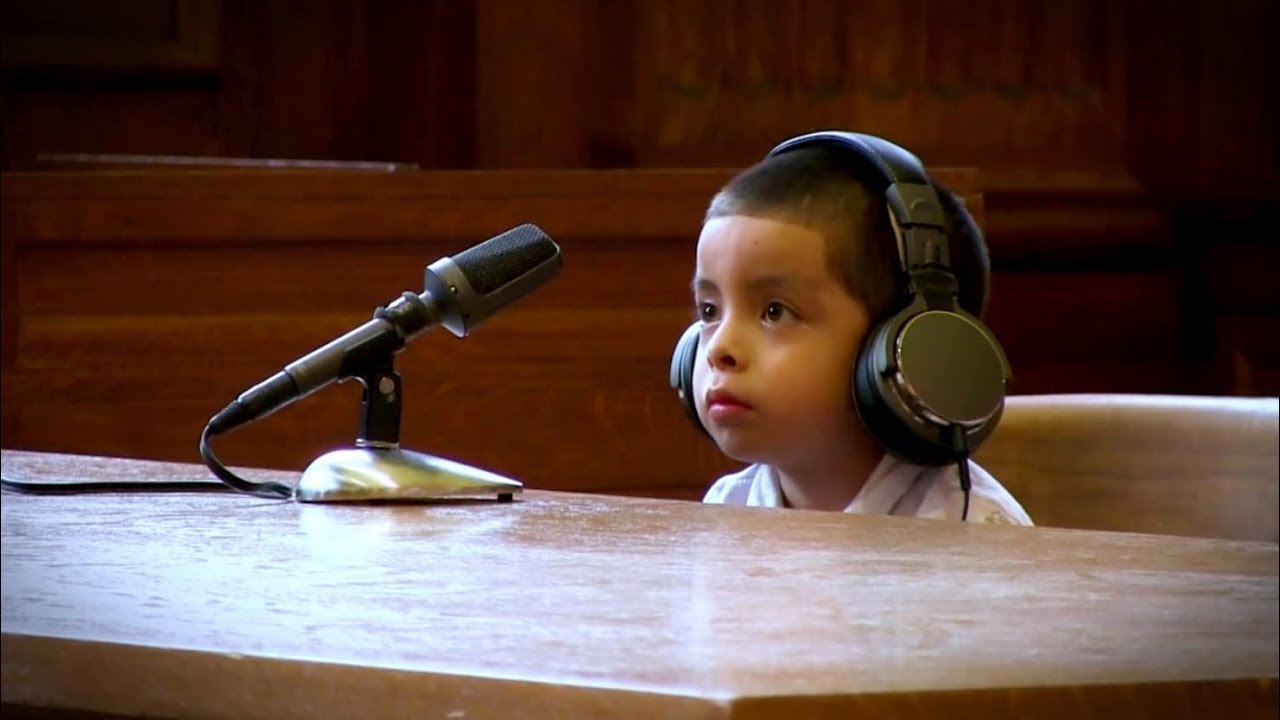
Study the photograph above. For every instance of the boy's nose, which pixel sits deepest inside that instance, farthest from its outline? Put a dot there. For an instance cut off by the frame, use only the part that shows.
(722, 361)
(723, 349)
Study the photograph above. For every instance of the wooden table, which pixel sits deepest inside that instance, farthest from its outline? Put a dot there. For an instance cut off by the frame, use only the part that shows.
(218, 605)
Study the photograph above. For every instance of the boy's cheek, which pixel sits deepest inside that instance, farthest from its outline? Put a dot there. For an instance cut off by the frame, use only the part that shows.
(700, 386)
(699, 382)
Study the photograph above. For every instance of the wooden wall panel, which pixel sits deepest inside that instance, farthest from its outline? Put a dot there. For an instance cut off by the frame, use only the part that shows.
(1001, 81)
(1085, 330)
(1176, 98)
(294, 80)
(534, 62)
(151, 37)
(1202, 116)
(9, 316)
(419, 94)
(331, 79)
(1171, 92)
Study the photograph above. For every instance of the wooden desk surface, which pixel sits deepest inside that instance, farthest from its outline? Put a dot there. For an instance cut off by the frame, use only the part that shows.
(568, 605)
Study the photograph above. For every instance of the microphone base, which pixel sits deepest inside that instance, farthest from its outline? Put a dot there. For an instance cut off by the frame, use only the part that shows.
(393, 474)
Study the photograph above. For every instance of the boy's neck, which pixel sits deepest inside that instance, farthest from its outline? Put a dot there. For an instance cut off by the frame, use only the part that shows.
(832, 481)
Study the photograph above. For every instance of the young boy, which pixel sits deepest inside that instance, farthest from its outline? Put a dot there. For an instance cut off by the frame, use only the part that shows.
(796, 261)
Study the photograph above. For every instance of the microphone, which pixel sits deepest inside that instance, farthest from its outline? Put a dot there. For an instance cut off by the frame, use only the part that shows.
(461, 293)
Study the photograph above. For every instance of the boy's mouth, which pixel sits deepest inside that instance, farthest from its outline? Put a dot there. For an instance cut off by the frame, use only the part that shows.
(723, 405)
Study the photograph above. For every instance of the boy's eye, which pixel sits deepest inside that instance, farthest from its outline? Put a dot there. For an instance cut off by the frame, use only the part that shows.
(775, 311)
(706, 311)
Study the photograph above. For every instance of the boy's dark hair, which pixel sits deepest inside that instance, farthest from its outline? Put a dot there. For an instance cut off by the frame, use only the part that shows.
(815, 188)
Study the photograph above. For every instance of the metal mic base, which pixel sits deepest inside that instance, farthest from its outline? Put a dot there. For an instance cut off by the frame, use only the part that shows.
(382, 474)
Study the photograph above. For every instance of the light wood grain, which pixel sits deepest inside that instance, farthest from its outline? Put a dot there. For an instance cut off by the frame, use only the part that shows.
(569, 605)
(1177, 465)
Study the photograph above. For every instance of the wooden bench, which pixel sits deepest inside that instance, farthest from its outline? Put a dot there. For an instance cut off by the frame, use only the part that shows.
(1174, 465)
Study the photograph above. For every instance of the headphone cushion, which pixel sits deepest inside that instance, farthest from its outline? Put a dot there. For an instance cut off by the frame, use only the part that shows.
(681, 373)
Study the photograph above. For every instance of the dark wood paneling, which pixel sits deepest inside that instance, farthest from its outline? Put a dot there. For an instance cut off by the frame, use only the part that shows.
(1001, 81)
(1202, 109)
(533, 69)
(420, 86)
(376, 81)
(55, 119)
(294, 81)
(1243, 299)
(8, 292)
(1175, 93)
(1089, 120)
(148, 37)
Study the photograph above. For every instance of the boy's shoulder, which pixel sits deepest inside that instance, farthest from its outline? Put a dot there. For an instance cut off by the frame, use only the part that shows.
(895, 488)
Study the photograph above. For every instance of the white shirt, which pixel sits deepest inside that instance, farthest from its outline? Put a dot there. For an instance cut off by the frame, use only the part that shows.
(895, 487)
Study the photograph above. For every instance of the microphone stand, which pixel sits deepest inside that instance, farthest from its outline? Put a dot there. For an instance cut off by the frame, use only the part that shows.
(378, 469)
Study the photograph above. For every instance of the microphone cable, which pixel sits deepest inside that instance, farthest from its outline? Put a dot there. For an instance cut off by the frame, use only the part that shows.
(73, 487)
(227, 481)
(276, 490)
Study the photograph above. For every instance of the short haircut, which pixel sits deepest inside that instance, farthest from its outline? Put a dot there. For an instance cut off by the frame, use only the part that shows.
(817, 189)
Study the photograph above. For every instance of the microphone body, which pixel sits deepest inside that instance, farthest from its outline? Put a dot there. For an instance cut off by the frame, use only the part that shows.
(461, 293)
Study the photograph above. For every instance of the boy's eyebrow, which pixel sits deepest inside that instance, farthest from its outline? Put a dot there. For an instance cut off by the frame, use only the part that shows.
(701, 284)
(758, 284)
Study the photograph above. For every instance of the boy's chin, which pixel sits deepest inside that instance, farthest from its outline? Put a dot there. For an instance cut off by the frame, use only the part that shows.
(744, 451)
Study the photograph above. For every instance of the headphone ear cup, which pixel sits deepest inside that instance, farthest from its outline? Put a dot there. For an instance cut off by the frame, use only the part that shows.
(902, 400)
(879, 407)
(681, 374)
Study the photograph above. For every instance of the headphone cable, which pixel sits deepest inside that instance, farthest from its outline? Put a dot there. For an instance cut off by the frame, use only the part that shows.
(960, 444)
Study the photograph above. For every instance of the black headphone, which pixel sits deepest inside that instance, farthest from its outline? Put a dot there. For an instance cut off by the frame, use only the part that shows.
(930, 381)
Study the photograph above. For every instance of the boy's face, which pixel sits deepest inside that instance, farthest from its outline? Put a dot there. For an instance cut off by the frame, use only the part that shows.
(772, 379)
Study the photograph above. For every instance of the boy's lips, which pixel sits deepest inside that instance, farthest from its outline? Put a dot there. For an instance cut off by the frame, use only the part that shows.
(722, 405)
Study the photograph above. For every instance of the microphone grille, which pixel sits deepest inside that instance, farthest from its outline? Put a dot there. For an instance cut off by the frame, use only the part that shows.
(503, 258)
